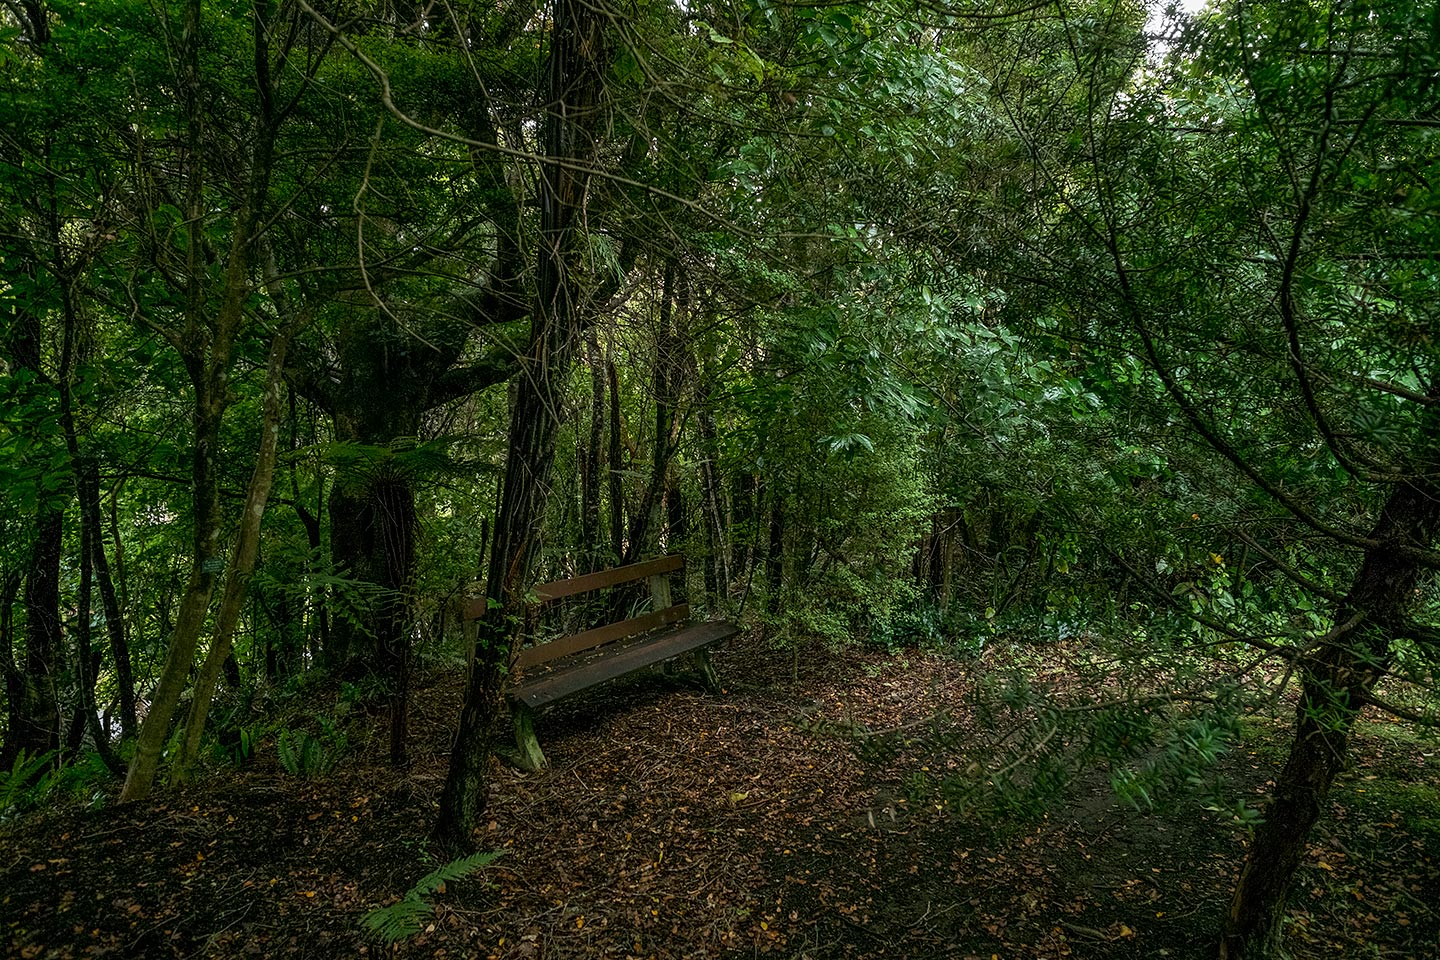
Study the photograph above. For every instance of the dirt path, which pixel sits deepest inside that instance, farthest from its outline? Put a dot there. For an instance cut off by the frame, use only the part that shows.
(675, 824)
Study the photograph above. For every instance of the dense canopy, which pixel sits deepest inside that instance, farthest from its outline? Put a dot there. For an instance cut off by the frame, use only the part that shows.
(1085, 350)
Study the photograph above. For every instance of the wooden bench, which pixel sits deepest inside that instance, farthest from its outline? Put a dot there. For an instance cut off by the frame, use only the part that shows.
(547, 671)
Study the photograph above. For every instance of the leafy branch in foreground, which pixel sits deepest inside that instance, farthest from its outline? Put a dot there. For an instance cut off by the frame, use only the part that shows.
(405, 917)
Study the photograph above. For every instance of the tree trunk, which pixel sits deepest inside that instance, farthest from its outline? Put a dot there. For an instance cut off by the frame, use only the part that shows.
(745, 532)
(242, 559)
(577, 64)
(36, 727)
(615, 466)
(396, 523)
(1337, 684)
(91, 520)
(87, 661)
(195, 603)
(667, 428)
(677, 517)
(717, 560)
(775, 556)
(590, 462)
(14, 677)
(206, 344)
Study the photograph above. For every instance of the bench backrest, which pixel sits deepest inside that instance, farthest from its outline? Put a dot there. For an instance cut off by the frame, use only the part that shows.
(663, 612)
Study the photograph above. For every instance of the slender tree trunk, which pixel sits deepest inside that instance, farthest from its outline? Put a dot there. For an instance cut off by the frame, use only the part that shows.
(91, 520)
(746, 529)
(775, 556)
(577, 64)
(717, 561)
(207, 346)
(1337, 684)
(615, 466)
(195, 602)
(242, 559)
(667, 427)
(87, 661)
(590, 462)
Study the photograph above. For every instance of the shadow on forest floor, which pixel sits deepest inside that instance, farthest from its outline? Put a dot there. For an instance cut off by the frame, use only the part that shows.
(675, 824)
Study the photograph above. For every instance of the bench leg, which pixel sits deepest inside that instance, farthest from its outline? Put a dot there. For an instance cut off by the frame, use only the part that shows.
(706, 670)
(528, 755)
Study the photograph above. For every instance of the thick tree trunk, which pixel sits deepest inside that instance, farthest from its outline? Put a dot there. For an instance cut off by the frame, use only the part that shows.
(35, 700)
(35, 728)
(1337, 684)
(14, 677)
(677, 517)
(396, 524)
(577, 64)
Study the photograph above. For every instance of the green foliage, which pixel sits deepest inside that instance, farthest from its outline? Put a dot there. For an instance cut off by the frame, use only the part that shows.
(236, 745)
(926, 625)
(27, 783)
(407, 916)
(303, 754)
(33, 781)
(1029, 747)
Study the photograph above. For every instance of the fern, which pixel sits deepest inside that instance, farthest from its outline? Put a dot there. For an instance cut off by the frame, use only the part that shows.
(398, 921)
(405, 918)
(27, 782)
(304, 755)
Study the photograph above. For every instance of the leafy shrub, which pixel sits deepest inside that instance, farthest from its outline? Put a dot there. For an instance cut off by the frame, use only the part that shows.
(84, 779)
(405, 917)
(928, 626)
(236, 745)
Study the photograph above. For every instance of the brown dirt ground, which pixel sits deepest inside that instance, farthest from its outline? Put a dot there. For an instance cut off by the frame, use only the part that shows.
(674, 824)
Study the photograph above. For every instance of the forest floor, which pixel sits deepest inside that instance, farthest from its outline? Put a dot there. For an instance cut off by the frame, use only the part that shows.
(675, 824)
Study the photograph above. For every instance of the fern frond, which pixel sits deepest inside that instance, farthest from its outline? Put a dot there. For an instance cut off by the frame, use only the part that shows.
(285, 746)
(399, 920)
(405, 918)
(455, 870)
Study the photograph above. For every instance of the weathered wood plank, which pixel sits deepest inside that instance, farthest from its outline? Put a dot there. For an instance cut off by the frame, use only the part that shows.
(475, 606)
(586, 639)
(618, 662)
(608, 578)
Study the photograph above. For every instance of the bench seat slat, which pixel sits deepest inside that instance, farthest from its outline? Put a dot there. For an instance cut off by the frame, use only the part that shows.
(577, 642)
(617, 662)
(608, 578)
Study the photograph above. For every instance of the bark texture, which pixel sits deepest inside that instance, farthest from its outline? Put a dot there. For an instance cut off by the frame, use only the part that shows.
(1337, 684)
(573, 115)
